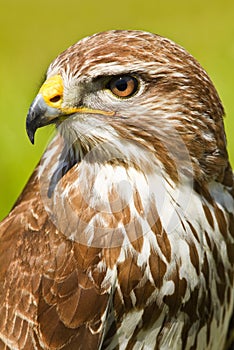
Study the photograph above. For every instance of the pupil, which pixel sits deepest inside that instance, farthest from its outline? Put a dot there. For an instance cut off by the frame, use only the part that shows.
(121, 84)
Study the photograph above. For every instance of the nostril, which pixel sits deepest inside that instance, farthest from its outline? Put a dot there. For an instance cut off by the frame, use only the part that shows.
(56, 98)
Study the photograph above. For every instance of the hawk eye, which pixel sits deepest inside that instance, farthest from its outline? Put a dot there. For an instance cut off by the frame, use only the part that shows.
(123, 86)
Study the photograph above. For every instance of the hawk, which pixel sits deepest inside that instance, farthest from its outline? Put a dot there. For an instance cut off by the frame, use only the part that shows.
(123, 237)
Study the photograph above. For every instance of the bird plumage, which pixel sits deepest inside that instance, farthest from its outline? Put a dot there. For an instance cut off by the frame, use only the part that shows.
(123, 237)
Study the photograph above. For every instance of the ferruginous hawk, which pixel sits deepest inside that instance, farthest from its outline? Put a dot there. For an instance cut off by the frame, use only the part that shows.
(123, 238)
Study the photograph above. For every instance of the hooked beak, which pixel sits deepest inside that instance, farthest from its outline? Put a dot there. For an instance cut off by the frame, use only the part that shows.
(39, 115)
(47, 107)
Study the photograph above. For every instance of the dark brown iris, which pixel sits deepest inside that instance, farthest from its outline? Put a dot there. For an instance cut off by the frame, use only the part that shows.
(123, 86)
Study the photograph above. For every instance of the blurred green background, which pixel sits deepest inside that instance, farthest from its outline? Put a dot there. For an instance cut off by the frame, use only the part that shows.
(32, 33)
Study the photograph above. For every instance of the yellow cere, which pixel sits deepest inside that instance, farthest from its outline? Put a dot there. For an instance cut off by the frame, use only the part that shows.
(52, 91)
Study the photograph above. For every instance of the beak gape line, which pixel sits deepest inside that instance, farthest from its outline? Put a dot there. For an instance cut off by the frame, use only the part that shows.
(47, 107)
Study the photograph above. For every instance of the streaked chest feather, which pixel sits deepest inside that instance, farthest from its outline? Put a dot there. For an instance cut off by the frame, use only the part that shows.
(167, 251)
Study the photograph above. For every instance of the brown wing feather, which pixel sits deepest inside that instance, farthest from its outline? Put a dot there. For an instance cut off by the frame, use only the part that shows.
(47, 298)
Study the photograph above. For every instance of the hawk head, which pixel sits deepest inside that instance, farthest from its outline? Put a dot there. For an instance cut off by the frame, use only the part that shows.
(120, 88)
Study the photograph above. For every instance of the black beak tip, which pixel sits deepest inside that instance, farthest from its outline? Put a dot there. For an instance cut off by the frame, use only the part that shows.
(39, 115)
(31, 136)
(30, 129)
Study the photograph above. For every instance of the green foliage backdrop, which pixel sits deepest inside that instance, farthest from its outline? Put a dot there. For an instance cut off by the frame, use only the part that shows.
(32, 33)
